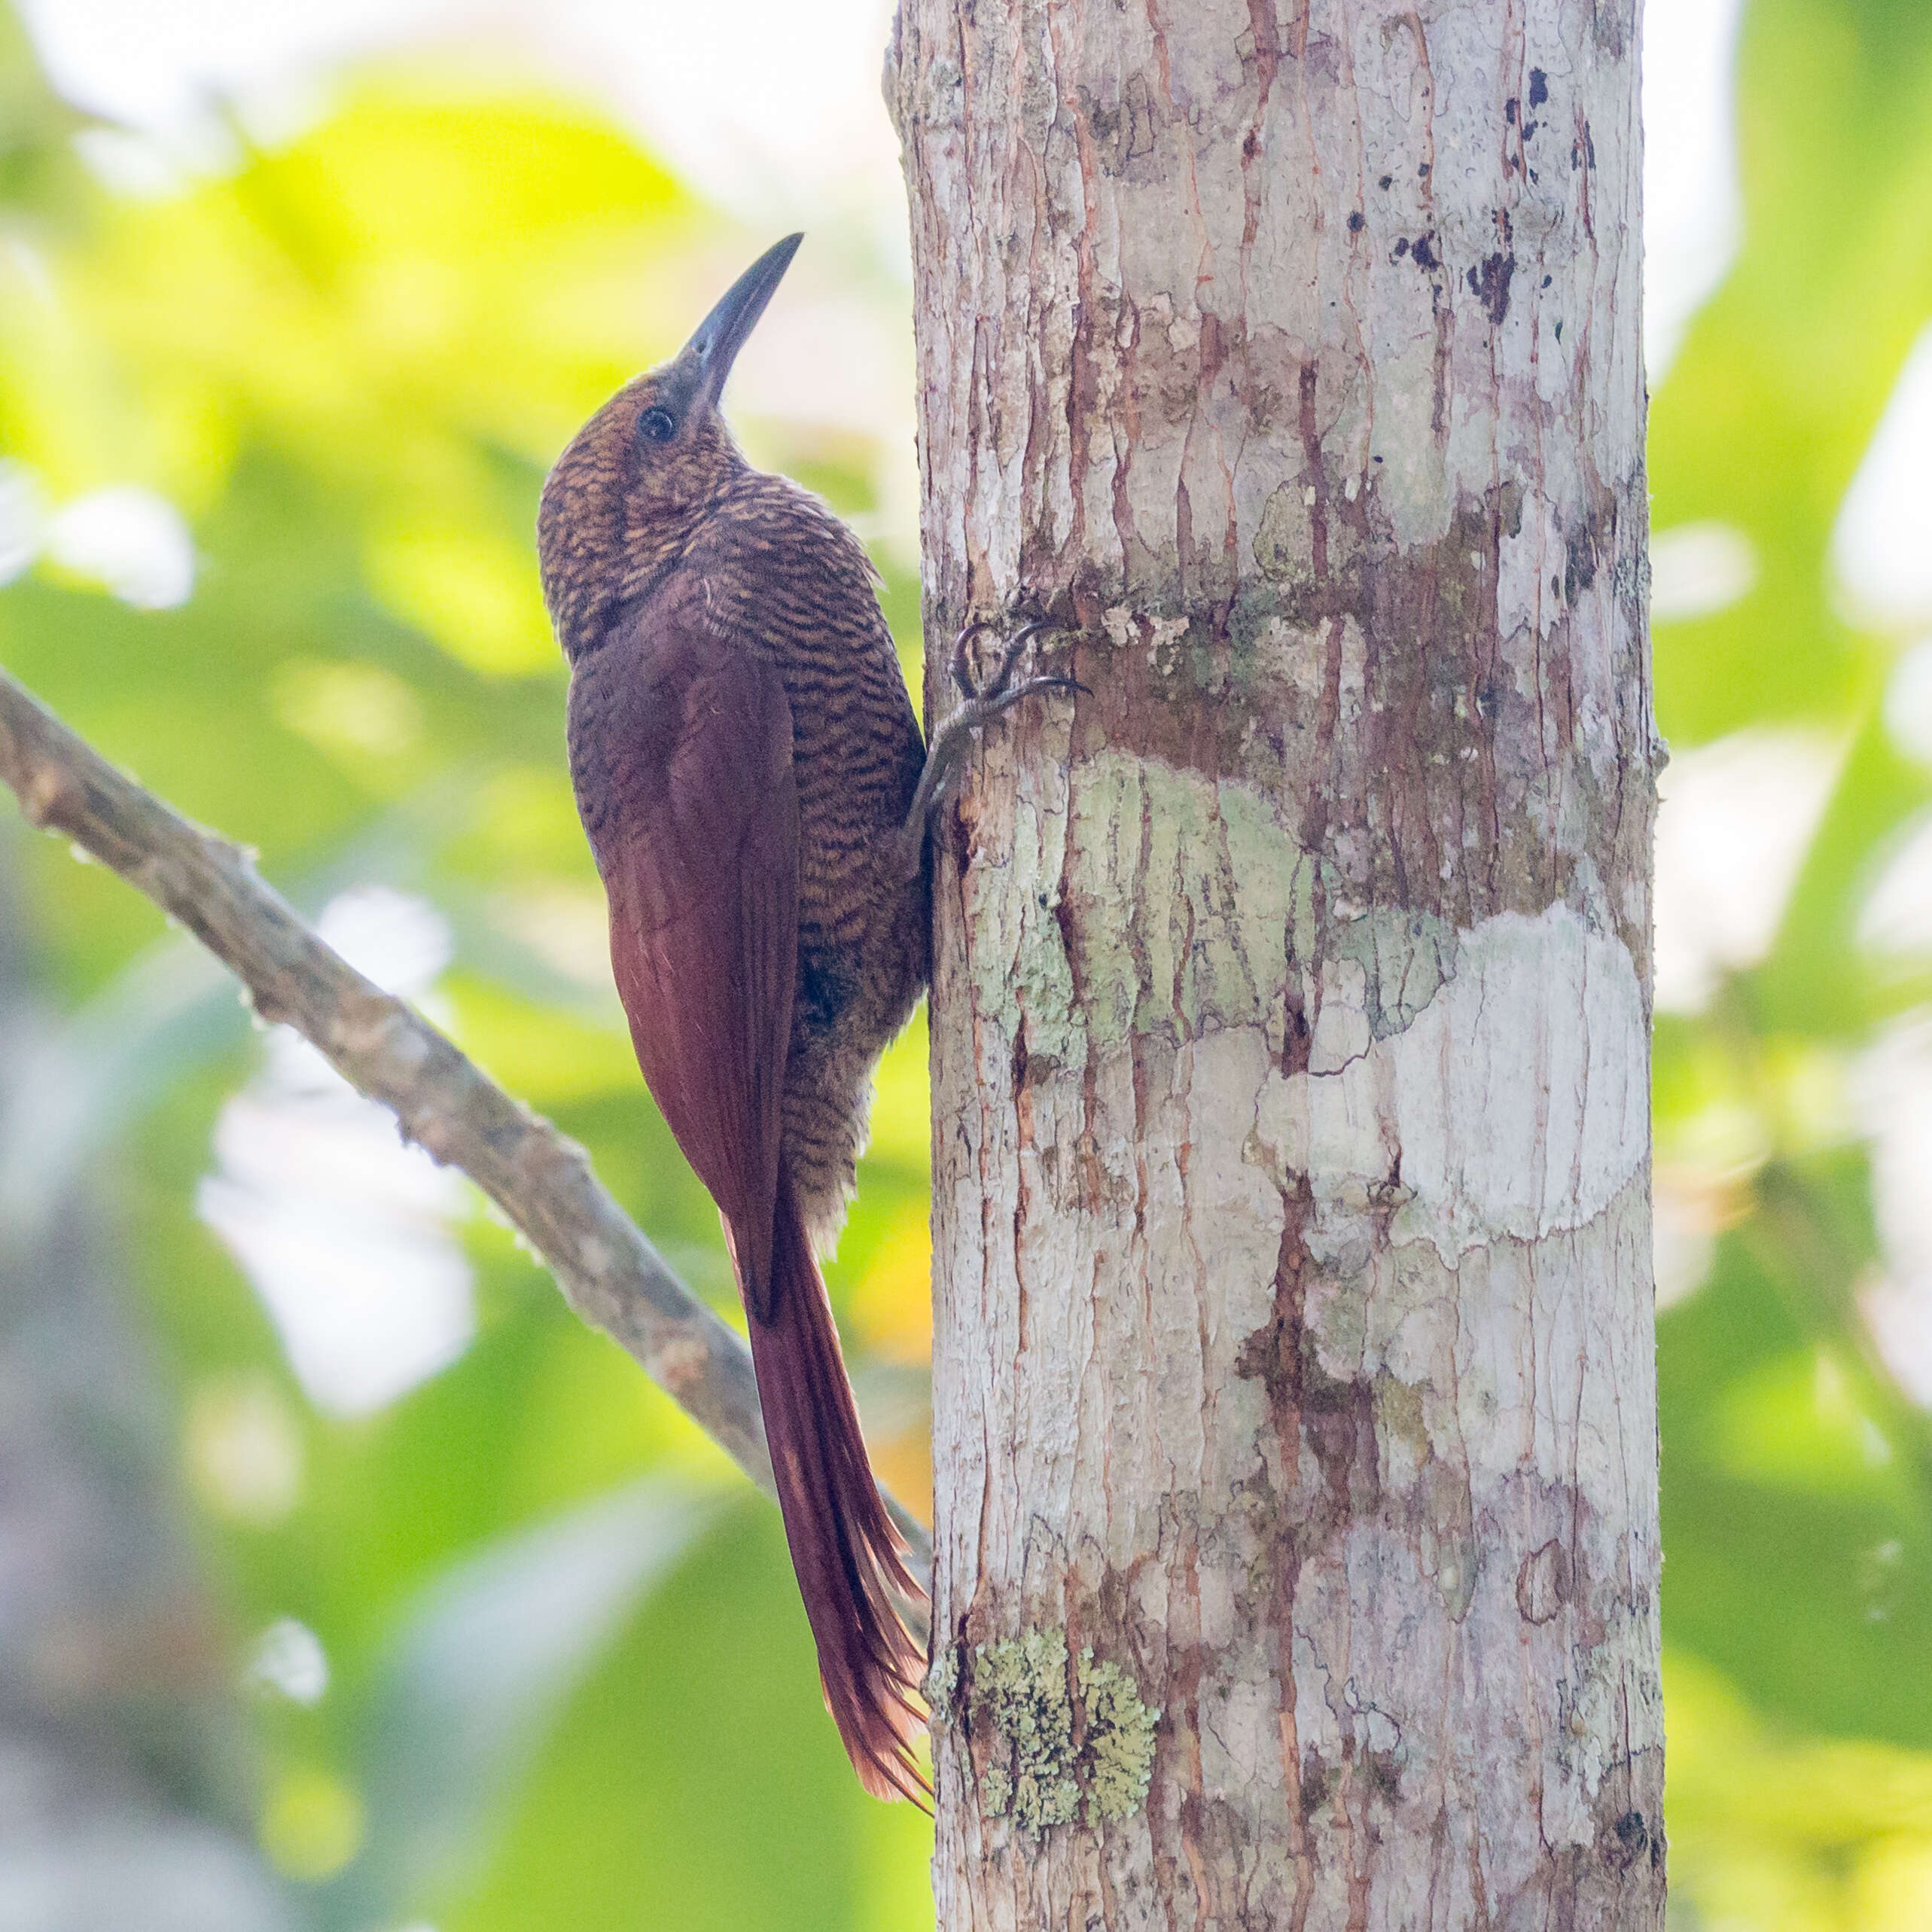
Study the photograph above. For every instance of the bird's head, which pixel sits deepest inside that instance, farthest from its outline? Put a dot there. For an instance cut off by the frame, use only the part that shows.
(640, 476)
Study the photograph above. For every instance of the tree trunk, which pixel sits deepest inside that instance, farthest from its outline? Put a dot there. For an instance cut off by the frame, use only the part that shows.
(1295, 1418)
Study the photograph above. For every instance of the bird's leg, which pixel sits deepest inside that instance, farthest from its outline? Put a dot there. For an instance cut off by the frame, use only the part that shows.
(980, 704)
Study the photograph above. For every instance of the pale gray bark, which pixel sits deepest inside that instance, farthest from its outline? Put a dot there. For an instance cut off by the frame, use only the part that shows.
(1293, 1363)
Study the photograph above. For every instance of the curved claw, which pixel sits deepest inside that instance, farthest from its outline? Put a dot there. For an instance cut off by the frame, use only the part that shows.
(971, 688)
(983, 703)
(961, 665)
(1015, 649)
(962, 676)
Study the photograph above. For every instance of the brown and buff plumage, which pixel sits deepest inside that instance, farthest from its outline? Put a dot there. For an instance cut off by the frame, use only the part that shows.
(745, 758)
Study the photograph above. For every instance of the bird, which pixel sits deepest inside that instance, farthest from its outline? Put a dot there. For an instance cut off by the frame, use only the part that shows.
(756, 793)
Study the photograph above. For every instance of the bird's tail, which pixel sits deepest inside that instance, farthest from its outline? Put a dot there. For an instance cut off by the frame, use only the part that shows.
(849, 1557)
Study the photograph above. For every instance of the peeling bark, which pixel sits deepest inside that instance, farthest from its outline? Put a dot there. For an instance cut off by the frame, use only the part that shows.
(1293, 1358)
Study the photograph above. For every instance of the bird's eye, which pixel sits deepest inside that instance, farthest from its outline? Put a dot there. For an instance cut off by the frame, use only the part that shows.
(656, 425)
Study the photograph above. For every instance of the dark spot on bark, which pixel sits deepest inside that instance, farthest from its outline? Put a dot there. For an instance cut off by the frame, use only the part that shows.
(1559, 331)
(1122, 130)
(1581, 553)
(1339, 1423)
(1539, 86)
(1424, 251)
(1387, 182)
(1272, 1355)
(1545, 1582)
(1630, 1841)
(1250, 146)
(1401, 248)
(1509, 111)
(1297, 1034)
(1546, 282)
(1355, 222)
(1490, 282)
(1489, 698)
(1268, 1355)
(1319, 1783)
(1529, 134)
(1384, 1770)
(1214, 349)
(1424, 171)
(1614, 24)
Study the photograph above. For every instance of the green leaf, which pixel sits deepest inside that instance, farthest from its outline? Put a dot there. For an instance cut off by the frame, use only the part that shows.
(476, 1675)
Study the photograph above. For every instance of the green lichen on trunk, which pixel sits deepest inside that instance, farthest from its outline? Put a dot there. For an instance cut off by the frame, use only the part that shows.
(1047, 1746)
(1118, 1748)
(1020, 1689)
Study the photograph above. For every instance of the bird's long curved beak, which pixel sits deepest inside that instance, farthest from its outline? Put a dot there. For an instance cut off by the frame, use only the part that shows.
(715, 345)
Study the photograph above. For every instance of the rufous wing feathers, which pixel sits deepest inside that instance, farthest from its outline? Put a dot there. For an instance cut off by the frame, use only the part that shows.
(700, 860)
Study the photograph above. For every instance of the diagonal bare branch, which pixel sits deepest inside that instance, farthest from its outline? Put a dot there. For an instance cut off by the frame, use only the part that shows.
(609, 1272)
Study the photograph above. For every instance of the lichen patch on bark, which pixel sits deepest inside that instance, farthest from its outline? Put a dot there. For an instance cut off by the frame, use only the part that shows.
(1118, 1741)
(1051, 1751)
(1021, 1706)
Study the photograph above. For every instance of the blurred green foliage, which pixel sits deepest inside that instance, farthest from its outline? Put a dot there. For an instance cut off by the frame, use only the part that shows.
(1797, 1476)
(347, 362)
(570, 1681)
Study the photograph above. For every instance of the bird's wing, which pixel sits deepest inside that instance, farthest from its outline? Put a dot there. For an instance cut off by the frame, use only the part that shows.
(699, 853)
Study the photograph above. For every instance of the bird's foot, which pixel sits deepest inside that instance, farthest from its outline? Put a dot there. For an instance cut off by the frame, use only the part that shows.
(980, 704)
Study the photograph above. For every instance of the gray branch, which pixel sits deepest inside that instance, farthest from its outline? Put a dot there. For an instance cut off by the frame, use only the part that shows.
(609, 1272)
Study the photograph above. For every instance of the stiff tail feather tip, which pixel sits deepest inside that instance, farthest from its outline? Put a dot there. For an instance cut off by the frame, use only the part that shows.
(849, 1556)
